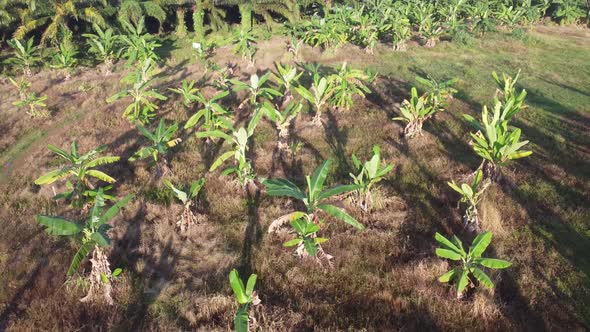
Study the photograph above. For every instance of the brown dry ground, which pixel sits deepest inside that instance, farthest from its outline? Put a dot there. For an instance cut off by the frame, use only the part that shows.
(384, 278)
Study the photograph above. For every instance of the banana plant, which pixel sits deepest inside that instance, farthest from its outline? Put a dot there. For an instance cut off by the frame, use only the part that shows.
(65, 59)
(306, 231)
(510, 16)
(245, 44)
(187, 197)
(187, 91)
(366, 29)
(287, 77)
(214, 115)
(402, 32)
(239, 148)
(471, 195)
(141, 108)
(81, 167)
(471, 262)
(258, 88)
(245, 296)
(452, 15)
(26, 55)
(506, 88)
(369, 174)
(495, 141)
(160, 141)
(480, 18)
(439, 92)
(94, 239)
(105, 45)
(315, 196)
(568, 11)
(138, 45)
(415, 111)
(294, 47)
(34, 105)
(431, 31)
(347, 83)
(318, 95)
(23, 86)
(327, 32)
(282, 121)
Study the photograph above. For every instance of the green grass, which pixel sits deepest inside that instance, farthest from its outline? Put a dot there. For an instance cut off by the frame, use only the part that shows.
(556, 74)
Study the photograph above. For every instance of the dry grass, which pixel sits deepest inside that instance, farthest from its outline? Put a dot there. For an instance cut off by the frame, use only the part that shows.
(383, 278)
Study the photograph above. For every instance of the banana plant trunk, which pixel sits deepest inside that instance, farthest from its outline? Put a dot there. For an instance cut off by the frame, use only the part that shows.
(198, 21)
(246, 15)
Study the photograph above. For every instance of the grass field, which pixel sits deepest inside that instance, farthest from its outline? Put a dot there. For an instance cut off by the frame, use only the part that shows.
(383, 278)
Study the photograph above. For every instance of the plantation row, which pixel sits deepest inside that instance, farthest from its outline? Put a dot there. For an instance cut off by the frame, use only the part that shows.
(109, 26)
(49, 18)
(279, 98)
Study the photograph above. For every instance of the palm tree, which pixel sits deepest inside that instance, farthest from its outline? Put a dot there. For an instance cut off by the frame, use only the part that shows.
(286, 8)
(53, 15)
(202, 8)
(133, 10)
(9, 16)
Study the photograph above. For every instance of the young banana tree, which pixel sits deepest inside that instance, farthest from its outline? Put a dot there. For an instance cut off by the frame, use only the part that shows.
(480, 18)
(315, 197)
(569, 12)
(138, 45)
(506, 88)
(510, 16)
(258, 88)
(65, 59)
(471, 262)
(245, 296)
(306, 238)
(320, 93)
(142, 107)
(34, 105)
(415, 111)
(160, 141)
(239, 148)
(245, 45)
(26, 55)
(370, 173)
(287, 77)
(282, 121)
(439, 92)
(105, 46)
(495, 141)
(347, 83)
(214, 115)
(187, 197)
(402, 32)
(431, 31)
(94, 239)
(305, 224)
(187, 91)
(81, 168)
(471, 195)
(23, 86)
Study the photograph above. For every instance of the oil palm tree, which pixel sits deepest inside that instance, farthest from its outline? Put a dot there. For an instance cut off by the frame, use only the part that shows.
(9, 16)
(133, 10)
(53, 15)
(286, 8)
